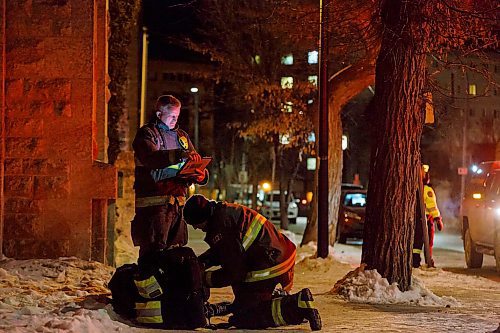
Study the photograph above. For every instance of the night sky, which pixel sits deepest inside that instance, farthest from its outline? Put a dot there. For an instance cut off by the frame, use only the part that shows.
(167, 20)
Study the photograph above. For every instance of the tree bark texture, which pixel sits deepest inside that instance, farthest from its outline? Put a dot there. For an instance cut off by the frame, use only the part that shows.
(395, 160)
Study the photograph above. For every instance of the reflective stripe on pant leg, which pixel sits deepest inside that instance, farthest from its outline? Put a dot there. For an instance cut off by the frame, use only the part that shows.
(305, 304)
(149, 312)
(417, 251)
(148, 288)
(276, 312)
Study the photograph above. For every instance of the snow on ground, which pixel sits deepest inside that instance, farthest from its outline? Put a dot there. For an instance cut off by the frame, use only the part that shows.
(60, 295)
(368, 286)
(70, 295)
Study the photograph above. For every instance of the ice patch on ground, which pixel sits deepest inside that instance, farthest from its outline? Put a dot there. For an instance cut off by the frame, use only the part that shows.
(368, 286)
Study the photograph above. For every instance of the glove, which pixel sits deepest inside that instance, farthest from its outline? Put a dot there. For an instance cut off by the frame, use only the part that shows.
(193, 155)
(439, 223)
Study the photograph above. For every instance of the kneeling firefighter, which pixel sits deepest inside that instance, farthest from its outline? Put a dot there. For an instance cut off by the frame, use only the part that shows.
(255, 258)
(164, 290)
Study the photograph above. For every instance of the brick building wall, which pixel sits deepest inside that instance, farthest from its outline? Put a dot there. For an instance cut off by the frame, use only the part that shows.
(56, 182)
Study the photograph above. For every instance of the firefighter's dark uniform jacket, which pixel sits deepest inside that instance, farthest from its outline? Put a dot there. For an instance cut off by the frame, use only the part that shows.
(158, 150)
(159, 194)
(246, 245)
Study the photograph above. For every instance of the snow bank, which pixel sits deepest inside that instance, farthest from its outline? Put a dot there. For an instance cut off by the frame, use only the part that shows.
(55, 295)
(368, 286)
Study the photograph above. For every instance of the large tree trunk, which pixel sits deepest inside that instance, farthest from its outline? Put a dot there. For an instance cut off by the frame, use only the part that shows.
(395, 160)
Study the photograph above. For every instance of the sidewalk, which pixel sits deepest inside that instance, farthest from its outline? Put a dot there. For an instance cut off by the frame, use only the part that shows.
(69, 295)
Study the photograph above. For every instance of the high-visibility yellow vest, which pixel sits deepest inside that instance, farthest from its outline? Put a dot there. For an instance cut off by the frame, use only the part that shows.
(430, 202)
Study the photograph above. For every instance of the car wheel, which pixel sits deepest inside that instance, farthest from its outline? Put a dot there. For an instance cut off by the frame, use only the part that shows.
(341, 237)
(472, 258)
(496, 245)
(293, 220)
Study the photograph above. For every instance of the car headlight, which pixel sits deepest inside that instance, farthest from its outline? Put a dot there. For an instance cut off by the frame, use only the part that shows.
(352, 215)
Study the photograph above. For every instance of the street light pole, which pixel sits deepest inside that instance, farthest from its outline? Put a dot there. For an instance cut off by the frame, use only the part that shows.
(194, 90)
(323, 182)
(144, 76)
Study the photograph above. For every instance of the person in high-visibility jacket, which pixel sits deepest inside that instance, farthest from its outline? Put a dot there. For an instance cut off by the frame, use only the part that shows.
(255, 258)
(433, 217)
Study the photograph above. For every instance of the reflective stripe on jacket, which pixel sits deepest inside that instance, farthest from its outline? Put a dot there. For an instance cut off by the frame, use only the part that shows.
(248, 246)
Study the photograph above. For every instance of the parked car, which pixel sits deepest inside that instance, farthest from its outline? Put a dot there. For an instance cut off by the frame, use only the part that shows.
(351, 213)
(481, 215)
(272, 211)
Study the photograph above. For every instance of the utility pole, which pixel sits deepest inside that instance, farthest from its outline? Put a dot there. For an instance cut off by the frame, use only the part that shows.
(323, 182)
(465, 117)
(195, 90)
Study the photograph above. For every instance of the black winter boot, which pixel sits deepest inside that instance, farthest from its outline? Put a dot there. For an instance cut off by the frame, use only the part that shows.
(310, 313)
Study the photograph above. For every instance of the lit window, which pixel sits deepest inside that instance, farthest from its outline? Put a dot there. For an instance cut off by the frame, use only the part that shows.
(286, 82)
(287, 60)
(311, 163)
(256, 59)
(313, 79)
(288, 107)
(310, 101)
(472, 89)
(311, 137)
(312, 57)
(285, 139)
(344, 142)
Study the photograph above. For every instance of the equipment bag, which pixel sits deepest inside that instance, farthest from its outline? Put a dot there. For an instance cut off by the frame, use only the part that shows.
(123, 290)
(164, 291)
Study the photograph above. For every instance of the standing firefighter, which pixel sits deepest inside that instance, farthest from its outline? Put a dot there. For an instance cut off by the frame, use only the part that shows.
(433, 217)
(160, 149)
(255, 258)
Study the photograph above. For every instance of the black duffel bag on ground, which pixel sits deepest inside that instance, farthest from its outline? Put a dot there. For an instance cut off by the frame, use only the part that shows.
(165, 290)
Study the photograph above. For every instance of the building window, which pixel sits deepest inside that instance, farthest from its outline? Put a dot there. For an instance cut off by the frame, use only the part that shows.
(472, 89)
(313, 79)
(288, 107)
(312, 57)
(287, 59)
(287, 82)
